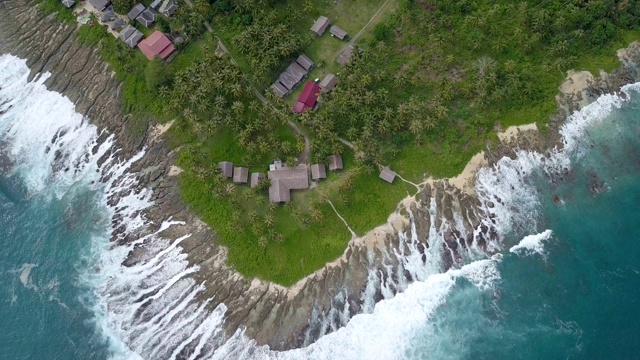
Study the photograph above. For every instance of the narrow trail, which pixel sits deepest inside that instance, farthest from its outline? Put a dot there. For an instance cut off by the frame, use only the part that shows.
(409, 182)
(353, 234)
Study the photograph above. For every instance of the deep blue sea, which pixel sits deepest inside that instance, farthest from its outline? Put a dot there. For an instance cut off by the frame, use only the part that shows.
(564, 284)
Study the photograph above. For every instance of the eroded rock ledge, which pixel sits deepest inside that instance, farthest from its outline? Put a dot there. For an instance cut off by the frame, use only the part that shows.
(281, 317)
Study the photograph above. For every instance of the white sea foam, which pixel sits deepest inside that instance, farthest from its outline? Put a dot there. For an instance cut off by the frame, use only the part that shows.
(532, 244)
(149, 310)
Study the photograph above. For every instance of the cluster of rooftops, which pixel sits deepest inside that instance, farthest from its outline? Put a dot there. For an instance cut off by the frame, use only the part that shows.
(283, 179)
(157, 44)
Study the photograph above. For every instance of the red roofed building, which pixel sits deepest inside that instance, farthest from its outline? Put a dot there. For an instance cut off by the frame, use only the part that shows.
(308, 98)
(158, 44)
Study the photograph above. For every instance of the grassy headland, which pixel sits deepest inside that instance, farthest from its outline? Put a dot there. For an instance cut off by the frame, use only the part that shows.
(430, 83)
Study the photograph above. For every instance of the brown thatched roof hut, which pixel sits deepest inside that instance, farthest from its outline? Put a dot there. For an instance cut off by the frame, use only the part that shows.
(304, 61)
(328, 82)
(338, 32)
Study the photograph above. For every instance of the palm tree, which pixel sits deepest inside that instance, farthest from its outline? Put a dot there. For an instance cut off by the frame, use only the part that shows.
(268, 220)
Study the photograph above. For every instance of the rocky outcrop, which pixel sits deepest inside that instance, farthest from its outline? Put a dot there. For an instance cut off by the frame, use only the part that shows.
(373, 267)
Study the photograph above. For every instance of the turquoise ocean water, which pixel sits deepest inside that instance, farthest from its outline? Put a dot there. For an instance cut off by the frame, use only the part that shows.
(564, 285)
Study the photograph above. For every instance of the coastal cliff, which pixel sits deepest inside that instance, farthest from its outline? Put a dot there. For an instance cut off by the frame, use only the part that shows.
(372, 267)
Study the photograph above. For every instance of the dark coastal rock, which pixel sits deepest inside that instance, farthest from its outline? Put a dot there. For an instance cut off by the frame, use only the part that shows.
(271, 314)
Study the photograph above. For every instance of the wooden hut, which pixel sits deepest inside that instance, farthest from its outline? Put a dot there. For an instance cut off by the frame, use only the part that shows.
(318, 172)
(338, 32)
(240, 175)
(321, 25)
(387, 174)
(328, 82)
(304, 61)
(226, 168)
(335, 162)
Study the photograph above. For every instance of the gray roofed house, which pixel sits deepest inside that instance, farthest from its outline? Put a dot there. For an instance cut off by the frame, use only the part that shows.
(328, 82)
(155, 4)
(134, 39)
(147, 17)
(387, 174)
(226, 168)
(127, 32)
(68, 3)
(304, 61)
(292, 75)
(256, 178)
(99, 4)
(318, 172)
(108, 16)
(279, 89)
(136, 10)
(345, 56)
(285, 180)
(168, 8)
(321, 25)
(118, 24)
(335, 162)
(240, 175)
(338, 32)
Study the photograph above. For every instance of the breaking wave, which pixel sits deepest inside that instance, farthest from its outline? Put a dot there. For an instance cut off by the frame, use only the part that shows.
(153, 307)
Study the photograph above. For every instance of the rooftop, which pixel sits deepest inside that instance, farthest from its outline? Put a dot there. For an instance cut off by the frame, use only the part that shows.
(338, 32)
(387, 174)
(328, 82)
(286, 179)
(320, 25)
(304, 61)
(136, 10)
(308, 99)
(157, 44)
(335, 162)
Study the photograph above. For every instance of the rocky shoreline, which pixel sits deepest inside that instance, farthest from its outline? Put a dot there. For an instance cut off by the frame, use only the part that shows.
(280, 317)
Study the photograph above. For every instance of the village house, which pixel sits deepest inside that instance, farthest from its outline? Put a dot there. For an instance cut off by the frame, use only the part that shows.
(279, 89)
(292, 75)
(131, 36)
(168, 8)
(345, 56)
(387, 174)
(135, 11)
(118, 24)
(108, 16)
(320, 26)
(335, 162)
(304, 61)
(328, 82)
(100, 5)
(240, 175)
(285, 179)
(308, 98)
(68, 3)
(157, 44)
(147, 17)
(338, 32)
(226, 169)
(318, 172)
(256, 178)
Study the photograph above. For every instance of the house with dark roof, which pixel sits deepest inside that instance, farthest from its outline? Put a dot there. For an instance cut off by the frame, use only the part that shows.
(387, 174)
(156, 45)
(328, 82)
(292, 75)
(345, 56)
(338, 32)
(335, 162)
(135, 11)
(118, 24)
(99, 5)
(147, 17)
(256, 178)
(304, 61)
(308, 98)
(68, 3)
(286, 179)
(320, 25)
(279, 89)
(226, 168)
(131, 36)
(168, 8)
(108, 16)
(240, 175)
(318, 172)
